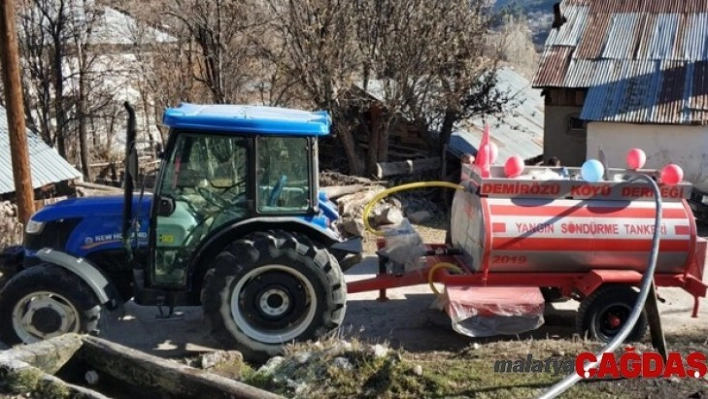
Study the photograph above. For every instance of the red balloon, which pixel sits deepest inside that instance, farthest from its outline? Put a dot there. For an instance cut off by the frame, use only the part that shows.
(636, 158)
(514, 166)
(672, 174)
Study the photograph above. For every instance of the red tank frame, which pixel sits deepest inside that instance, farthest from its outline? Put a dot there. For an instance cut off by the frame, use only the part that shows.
(583, 283)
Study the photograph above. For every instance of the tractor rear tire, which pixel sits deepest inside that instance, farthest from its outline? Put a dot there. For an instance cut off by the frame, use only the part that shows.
(54, 302)
(270, 289)
(604, 313)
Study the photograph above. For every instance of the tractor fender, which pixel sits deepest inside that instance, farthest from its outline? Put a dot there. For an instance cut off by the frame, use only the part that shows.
(105, 291)
(217, 240)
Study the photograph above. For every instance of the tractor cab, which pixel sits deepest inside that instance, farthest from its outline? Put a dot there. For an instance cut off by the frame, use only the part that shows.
(222, 168)
(235, 224)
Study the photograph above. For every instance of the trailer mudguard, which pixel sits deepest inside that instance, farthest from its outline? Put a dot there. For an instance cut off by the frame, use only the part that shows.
(105, 291)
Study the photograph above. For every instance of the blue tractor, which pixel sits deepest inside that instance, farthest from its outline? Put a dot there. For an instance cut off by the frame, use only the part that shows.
(235, 224)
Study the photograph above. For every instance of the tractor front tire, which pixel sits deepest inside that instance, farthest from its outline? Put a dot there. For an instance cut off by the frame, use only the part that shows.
(45, 301)
(270, 289)
(604, 313)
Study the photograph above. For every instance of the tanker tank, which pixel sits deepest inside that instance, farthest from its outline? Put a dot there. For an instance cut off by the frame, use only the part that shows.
(544, 222)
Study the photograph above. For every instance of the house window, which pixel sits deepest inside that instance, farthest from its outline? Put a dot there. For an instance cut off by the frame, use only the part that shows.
(576, 126)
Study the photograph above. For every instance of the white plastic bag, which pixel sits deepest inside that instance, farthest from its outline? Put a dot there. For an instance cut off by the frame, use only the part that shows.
(403, 244)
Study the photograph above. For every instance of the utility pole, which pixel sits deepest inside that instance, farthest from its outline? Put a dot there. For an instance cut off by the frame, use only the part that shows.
(9, 55)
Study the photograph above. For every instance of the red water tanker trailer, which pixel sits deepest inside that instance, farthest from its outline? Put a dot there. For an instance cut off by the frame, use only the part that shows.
(516, 243)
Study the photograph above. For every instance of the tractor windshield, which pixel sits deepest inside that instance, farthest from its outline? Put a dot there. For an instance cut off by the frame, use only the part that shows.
(284, 184)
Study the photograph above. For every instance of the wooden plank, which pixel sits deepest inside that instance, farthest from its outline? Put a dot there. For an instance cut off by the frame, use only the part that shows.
(97, 186)
(333, 192)
(408, 167)
(142, 369)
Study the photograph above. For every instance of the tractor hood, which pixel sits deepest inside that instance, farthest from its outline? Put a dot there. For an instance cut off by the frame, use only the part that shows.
(91, 207)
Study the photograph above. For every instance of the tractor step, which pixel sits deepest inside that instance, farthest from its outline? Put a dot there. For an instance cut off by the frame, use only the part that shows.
(169, 302)
(490, 311)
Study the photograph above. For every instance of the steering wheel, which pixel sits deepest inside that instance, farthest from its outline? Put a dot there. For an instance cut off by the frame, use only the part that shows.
(219, 200)
(277, 190)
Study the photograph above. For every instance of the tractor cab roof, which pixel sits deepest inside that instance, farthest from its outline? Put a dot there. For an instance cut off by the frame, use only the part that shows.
(247, 119)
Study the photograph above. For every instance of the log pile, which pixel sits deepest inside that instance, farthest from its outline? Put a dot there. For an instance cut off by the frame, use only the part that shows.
(8, 209)
(352, 194)
(10, 228)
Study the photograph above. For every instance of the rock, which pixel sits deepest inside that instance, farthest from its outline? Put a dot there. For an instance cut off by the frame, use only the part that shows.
(353, 226)
(379, 350)
(390, 215)
(353, 204)
(475, 346)
(302, 357)
(419, 217)
(418, 370)
(271, 365)
(342, 363)
(342, 346)
(209, 360)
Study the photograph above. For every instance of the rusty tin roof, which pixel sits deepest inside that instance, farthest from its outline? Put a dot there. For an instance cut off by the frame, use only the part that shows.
(643, 61)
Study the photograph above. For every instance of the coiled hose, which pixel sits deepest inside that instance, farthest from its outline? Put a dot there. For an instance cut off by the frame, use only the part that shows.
(573, 378)
(410, 186)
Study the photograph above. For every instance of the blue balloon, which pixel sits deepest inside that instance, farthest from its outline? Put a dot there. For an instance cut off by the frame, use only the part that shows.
(592, 171)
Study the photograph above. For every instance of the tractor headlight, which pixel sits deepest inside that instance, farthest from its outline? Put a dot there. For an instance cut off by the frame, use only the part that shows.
(34, 227)
(704, 200)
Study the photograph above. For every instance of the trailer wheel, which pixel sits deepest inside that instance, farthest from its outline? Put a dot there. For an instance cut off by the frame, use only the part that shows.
(270, 289)
(603, 314)
(46, 301)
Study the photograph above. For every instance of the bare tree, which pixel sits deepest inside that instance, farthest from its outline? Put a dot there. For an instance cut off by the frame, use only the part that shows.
(65, 73)
(43, 42)
(314, 45)
(219, 29)
(514, 44)
(431, 65)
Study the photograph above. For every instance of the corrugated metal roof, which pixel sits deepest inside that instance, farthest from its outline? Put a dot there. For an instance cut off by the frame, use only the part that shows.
(46, 164)
(638, 58)
(518, 132)
(554, 65)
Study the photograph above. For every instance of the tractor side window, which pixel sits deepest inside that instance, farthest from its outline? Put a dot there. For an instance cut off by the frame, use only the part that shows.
(283, 174)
